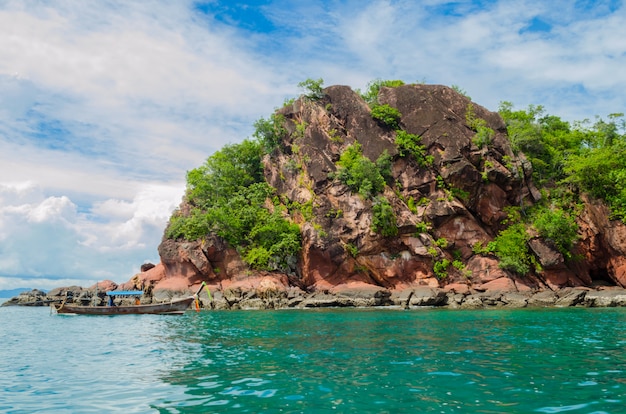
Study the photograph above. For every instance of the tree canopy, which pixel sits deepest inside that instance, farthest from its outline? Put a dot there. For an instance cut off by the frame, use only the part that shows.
(228, 195)
(588, 157)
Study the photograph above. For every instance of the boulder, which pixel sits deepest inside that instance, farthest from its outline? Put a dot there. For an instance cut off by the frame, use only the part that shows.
(606, 298)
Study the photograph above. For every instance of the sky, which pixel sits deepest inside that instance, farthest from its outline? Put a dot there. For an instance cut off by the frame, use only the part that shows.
(105, 105)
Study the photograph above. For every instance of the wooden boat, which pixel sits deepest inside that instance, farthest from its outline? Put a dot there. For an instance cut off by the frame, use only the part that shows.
(176, 306)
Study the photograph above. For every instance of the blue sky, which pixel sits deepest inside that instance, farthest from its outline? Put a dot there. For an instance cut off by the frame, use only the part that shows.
(104, 106)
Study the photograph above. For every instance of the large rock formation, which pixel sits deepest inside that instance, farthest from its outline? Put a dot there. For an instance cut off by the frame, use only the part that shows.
(462, 199)
(443, 210)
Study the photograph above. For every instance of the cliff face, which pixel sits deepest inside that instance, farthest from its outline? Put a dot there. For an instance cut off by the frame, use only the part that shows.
(442, 210)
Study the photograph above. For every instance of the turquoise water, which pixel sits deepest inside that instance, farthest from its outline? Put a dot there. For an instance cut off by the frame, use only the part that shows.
(375, 361)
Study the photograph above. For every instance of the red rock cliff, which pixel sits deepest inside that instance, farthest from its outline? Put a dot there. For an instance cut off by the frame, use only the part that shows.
(461, 198)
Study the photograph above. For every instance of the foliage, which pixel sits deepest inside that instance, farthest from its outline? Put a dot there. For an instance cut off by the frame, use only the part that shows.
(274, 243)
(511, 245)
(270, 131)
(305, 209)
(334, 214)
(424, 201)
(373, 88)
(334, 136)
(359, 173)
(226, 172)
(383, 217)
(387, 115)
(458, 90)
(300, 129)
(512, 249)
(422, 227)
(587, 156)
(191, 228)
(228, 194)
(409, 144)
(484, 134)
(460, 194)
(313, 88)
(479, 248)
(441, 242)
(384, 164)
(602, 173)
(410, 203)
(441, 184)
(557, 226)
(547, 141)
(440, 268)
(352, 249)
(460, 266)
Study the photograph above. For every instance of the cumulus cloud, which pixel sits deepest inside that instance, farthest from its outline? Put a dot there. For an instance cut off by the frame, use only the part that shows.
(97, 104)
(488, 49)
(127, 85)
(48, 237)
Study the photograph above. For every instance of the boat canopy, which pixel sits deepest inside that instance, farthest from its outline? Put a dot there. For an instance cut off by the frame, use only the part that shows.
(124, 292)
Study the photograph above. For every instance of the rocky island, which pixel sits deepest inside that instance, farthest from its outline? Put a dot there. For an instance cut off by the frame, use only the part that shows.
(405, 195)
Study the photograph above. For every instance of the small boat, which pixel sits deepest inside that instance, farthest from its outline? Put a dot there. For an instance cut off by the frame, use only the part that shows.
(175, 306)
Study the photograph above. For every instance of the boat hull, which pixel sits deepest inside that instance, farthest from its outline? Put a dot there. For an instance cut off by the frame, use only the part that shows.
(177, 306)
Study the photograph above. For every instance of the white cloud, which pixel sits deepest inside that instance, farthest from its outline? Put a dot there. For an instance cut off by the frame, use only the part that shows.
(47, 236)
(127, 74)
(97, 104)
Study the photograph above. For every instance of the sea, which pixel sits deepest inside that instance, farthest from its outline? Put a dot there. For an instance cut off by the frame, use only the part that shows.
(315, 361)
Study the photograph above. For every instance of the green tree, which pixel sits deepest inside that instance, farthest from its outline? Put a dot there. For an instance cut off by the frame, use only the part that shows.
(511, 245)
(387, 115)
(440, 268)
(313, 88)
(224, 173)
(546, 140)
(270, 132)
(359, 173)
(229, 196)
(557, 226)
(484, 134)
(383, 217)
(373, 88)
(384, 164)
(409, 145)
(601, 172)
(274, 242)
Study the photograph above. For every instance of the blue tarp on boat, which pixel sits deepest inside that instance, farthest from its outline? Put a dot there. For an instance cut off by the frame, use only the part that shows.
(124, 292)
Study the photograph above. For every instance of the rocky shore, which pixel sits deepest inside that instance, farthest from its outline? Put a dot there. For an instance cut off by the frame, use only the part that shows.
(358, 296)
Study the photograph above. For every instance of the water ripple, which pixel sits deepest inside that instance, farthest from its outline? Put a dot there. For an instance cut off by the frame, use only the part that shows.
(315, 361)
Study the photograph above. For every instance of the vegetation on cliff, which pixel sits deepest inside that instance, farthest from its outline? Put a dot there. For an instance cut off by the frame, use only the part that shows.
(583, 156)
(264, 195)
(568, 159)
(228, 196)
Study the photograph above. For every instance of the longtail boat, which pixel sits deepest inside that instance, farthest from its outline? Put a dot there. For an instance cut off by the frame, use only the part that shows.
(175, 306)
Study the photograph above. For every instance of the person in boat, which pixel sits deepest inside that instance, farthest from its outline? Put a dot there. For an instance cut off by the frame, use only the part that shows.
(111, 302)
(147, 291)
